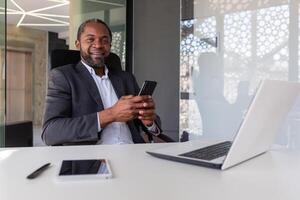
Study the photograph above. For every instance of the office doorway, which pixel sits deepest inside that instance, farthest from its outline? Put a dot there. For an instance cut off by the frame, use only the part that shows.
(19, 86)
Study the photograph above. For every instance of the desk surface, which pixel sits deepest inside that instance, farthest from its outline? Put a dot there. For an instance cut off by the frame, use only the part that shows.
(274, 175)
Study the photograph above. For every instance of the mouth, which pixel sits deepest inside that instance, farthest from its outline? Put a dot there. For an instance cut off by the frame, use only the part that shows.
(97, 54)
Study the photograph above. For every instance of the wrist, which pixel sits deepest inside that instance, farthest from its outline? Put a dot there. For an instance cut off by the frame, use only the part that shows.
(111, 114)
(106, 117)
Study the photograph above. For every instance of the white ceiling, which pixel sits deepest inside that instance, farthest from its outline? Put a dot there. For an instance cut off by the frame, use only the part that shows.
(51, 15)
(47, 15)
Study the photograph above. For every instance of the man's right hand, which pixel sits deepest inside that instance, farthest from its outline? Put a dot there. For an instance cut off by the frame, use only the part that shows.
(126, 109)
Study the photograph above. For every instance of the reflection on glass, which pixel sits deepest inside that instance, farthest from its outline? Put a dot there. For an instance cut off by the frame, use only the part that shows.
(254, 42)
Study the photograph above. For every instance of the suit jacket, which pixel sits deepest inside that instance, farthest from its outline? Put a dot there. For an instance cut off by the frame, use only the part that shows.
(72, 103)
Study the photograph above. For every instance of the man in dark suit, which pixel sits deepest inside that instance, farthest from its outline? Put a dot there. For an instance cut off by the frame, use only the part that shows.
(88, 104)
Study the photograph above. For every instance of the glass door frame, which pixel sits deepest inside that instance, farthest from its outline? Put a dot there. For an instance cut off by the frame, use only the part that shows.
(3, 45)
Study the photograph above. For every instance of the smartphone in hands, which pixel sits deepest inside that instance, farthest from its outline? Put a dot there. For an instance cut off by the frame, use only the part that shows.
(147, 88)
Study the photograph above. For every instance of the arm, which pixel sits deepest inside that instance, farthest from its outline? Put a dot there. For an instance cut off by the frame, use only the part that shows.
(59, 127)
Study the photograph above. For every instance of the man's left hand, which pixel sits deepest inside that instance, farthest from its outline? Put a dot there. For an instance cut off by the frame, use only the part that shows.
(147, 111)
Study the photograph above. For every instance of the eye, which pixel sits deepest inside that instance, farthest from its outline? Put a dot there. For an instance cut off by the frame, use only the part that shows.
(89, 40)
(105, 41)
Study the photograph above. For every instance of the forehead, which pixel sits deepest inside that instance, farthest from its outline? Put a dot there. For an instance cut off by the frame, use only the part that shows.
(96, 29)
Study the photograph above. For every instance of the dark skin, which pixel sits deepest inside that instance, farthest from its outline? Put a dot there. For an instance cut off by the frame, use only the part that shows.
(94, 44)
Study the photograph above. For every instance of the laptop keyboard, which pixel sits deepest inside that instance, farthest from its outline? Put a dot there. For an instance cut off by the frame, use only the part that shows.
(210, 152)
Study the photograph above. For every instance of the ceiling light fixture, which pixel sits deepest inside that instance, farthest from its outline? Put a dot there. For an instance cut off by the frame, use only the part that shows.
(27, 24)
(36, 13)
(105, 2)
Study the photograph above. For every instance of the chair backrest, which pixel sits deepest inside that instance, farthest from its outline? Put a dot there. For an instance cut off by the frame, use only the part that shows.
(60, 57)
(18, 134)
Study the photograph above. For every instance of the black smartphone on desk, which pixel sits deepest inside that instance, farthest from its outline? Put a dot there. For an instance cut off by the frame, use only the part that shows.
(147, 88)
(85, 169)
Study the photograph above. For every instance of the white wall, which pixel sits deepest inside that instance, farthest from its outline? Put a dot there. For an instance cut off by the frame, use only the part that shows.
(156, 55)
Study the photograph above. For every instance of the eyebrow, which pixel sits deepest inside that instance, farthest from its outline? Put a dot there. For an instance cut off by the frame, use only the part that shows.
(92, 35)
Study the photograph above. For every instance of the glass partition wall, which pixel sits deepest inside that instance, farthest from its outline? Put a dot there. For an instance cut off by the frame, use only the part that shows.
(2, 71)
(34, 29)
(227, 47)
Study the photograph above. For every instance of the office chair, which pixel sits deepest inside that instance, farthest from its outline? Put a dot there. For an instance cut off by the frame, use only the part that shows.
(60, 57)
(18, 134)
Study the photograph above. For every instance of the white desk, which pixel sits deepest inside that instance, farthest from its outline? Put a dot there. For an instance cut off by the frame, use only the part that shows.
(274, 175)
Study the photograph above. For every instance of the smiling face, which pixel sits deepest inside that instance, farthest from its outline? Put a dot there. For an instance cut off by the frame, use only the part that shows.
(94, 44)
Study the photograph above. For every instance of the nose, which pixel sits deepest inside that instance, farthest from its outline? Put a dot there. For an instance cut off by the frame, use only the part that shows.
(97, 44)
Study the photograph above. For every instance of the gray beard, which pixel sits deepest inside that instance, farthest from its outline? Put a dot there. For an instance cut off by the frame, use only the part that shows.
(91, 63)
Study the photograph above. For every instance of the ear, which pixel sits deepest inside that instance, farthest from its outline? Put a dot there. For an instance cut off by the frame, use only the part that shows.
(77, 44)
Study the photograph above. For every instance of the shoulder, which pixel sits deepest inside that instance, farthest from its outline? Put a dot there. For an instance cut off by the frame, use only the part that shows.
(63, 69)
(66, 71)
(62, 75)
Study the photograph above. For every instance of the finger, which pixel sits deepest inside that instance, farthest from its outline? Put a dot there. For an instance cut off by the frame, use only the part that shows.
(147, 96)
(145, 113)
(137, 99)
(148, 105)
(131, 115)
(147, 117)
(127, 97)
(144, 105)
(148, 100)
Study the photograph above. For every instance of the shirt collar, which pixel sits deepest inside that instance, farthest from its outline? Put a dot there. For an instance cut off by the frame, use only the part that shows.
(92, 71)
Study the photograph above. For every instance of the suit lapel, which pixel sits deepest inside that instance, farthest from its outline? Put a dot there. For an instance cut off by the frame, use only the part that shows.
(90, 84)
(117, 84)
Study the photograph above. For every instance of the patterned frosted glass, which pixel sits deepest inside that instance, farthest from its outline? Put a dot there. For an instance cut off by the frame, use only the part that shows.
(253, 43)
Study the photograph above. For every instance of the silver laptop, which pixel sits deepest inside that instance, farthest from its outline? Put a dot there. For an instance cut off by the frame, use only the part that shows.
(269, 107)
